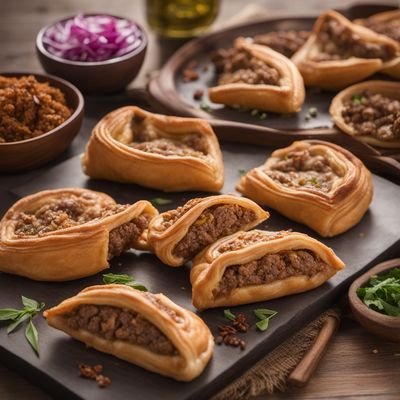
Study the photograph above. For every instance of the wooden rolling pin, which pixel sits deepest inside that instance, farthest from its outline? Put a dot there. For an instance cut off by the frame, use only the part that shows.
(304, 370)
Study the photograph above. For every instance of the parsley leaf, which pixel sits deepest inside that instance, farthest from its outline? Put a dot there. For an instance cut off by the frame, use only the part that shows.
(356, 98)
(228, 314)
(159, 201)
(264, 315)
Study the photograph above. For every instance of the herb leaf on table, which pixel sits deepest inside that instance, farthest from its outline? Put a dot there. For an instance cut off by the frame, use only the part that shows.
(123, 279)
(17, 317)
(264, 315)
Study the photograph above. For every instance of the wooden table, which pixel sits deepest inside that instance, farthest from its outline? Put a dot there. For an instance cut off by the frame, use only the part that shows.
(356, 365)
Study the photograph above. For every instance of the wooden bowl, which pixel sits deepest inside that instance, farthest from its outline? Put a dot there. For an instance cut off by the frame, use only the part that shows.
(108, 76)
(30, 153)
(381, 325)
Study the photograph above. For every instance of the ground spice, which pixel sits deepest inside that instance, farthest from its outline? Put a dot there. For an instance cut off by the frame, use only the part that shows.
(94, 373)
(29, 108)
(227, 333)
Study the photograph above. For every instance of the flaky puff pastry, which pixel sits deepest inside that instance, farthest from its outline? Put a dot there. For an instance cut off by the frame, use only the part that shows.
(244, 247)
(338, 74)
(385, 88)
(187, 332)
(168, 230)
(288, 97)
(69, 253)
(386, 23)
(328, 212)
(109, 156)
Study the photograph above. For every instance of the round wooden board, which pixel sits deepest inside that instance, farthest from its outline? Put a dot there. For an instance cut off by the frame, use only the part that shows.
(169, 94)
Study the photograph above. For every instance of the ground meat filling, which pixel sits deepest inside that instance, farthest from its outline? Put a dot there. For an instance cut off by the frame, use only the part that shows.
(270, 268)
(239, 66)
(170, 217)
(149, 140)
(301, 169)
(64, 212)
(246, 239)
(284, 42)
(372, 114)
(113, 323)
(338, 42)
(389, 28)
(215, 222)
(123, 237)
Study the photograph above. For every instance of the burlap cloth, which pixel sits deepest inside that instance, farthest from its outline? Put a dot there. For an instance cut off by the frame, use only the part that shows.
(272, 371)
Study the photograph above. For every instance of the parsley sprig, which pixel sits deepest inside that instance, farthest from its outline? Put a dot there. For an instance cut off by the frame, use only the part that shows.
(159, 201)
(18, 316)
(382, 293)
(123, 279)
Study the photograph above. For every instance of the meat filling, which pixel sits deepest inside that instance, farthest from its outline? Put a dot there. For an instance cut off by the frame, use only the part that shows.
(148, 139)
(124, 236)
(239, 66)
(65, 212)
(270, 268)
(215, 222)
(338, 42)
(389, 28)
(113, 323)
(301, 169)
(284, 42)
(372, 114)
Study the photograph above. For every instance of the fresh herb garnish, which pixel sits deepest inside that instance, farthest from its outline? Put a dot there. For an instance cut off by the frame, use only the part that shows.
(123, 279)
(382, 293)
(18, 316)
(356, 98)
(313, 181)
(263, 115)
(204, 106)
(311, 113)
(159, 201)
(228, 314)
(264, 315)
(242, 172)
(254, 113)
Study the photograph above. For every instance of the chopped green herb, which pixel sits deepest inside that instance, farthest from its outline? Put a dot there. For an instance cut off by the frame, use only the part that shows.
(313, 181)
(264, 315)
(228, 314)
(242, 172)
(254, 113)
(382, 293)
(356, 98)
(313, 112)
(18, 316)
(263, 116)
(123, 279)
(159, 201)
(204, 106)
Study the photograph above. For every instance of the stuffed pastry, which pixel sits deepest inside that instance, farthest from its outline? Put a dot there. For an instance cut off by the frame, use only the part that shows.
(339, 53)
(255, 76)
(156, 151)
(312, 182)
(386, 23)
(145, 329)
(64, 234)
(176, 236)
(369, 111)
(258, 265)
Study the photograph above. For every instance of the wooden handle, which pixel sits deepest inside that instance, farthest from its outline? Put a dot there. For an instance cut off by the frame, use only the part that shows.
(302, 373)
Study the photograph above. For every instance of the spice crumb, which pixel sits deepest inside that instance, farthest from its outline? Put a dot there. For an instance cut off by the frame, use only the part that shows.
(361, 234)
(375, 351)
(94, 373)
(103, 381)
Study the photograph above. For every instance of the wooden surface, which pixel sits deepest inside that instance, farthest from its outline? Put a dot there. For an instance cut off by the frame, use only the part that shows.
(356, 365)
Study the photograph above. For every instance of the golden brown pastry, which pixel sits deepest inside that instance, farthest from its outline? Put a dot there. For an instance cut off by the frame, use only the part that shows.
(369, 111)
(176, 236)
(255, 76)
(64, 234)
(145, 329)
(157, 151)
(313, 182)
(339, 53)
(258, 265)
(386, 23)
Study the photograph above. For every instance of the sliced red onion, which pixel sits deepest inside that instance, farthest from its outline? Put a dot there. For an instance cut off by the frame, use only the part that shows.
(92, 38)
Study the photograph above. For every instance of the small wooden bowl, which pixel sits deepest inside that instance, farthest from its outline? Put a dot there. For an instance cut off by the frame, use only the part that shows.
(30, 153)
(101, 77)
(381, 325)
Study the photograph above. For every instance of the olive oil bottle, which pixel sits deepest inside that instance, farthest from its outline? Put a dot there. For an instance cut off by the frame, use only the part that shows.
(181, 18)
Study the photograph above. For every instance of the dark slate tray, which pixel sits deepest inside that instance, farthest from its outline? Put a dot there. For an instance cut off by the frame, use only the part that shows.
(376, 238)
